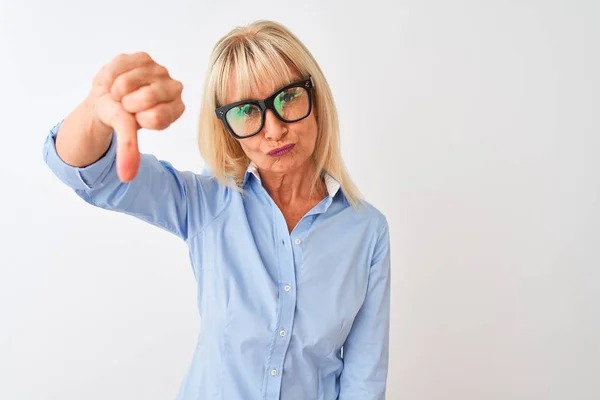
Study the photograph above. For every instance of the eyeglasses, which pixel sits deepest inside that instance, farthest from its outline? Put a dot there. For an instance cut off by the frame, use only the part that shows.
(290, 103)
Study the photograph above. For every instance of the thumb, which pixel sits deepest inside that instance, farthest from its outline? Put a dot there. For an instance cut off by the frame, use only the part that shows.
(112, 113)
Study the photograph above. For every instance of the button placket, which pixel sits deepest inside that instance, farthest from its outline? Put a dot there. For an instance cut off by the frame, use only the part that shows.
(287, 304)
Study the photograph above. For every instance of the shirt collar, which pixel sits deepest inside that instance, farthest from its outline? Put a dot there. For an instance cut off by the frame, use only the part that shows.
(332, 185)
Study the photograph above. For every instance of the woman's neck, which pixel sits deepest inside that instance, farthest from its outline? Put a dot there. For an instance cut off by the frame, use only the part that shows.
(293, 186)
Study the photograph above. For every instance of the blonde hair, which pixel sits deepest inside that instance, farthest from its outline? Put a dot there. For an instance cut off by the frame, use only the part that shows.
(266, 52)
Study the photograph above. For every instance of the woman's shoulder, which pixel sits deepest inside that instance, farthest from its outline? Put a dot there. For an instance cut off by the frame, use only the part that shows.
(366, 214)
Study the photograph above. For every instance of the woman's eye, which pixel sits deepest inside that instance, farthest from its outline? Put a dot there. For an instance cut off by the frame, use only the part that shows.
(288, 97)
(247, 110)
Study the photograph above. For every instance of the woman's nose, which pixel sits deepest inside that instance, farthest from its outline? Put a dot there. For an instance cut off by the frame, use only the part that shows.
(274, 128)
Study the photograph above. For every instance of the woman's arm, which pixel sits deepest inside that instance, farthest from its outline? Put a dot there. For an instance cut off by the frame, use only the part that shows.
(367, 347)
(94, 150)
(178, 201)
(83, 139)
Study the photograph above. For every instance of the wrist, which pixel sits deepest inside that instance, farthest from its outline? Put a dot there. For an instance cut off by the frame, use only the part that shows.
(97, 128)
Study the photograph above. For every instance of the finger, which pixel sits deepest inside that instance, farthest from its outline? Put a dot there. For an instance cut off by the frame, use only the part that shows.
(128, 155)
(146, 97)
(119, 65)
(160, 116)
(136, 78)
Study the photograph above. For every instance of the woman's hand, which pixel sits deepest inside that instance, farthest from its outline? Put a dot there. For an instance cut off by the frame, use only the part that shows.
(129, 93)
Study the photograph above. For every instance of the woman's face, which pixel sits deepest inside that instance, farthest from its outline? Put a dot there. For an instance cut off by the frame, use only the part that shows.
(276, 134)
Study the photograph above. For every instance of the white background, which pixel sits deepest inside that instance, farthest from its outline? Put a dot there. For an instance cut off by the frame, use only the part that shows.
(473, 125)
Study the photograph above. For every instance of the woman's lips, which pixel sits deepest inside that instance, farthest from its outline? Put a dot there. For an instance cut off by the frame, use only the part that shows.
(281, 150)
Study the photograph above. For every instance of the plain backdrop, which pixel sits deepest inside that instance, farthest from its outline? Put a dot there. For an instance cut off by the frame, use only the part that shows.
(472, 125)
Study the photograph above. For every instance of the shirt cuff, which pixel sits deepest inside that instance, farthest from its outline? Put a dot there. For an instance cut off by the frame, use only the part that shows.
(83, 178)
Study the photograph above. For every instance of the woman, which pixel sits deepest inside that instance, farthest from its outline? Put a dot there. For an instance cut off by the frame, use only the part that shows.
(292, 267)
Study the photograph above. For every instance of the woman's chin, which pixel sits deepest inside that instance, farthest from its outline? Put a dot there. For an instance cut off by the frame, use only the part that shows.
(283, 165)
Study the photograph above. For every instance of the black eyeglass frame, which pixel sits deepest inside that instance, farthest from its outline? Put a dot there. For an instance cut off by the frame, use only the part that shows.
(265, 104)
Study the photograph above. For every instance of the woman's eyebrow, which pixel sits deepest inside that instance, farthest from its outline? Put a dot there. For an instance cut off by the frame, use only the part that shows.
(278, 88)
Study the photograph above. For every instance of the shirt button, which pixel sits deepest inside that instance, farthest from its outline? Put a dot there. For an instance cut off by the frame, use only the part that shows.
(273, 372)
(287, 288)
(282, 333)
(298, 241)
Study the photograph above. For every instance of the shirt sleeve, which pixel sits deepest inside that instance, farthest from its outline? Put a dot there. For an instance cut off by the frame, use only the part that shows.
(180, 202)
(366, 350)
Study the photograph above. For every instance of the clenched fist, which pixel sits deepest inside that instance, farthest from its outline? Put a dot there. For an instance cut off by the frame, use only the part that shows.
(133, 92)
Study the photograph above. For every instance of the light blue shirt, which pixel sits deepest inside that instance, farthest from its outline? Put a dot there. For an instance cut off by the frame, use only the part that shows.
(276, 307)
